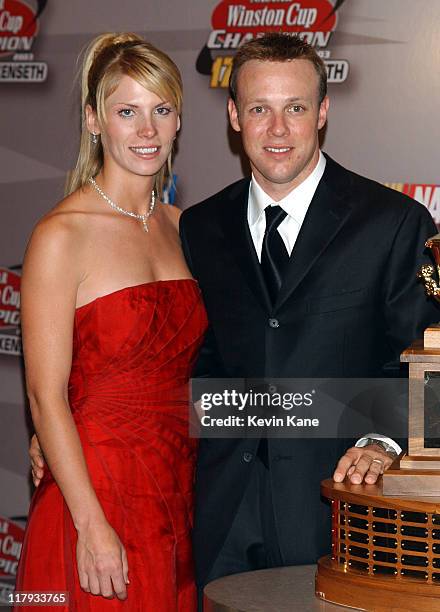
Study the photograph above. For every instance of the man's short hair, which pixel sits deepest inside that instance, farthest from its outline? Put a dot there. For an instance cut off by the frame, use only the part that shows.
(277, 47)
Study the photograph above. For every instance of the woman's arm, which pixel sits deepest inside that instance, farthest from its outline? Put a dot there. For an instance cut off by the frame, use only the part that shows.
(51, 275)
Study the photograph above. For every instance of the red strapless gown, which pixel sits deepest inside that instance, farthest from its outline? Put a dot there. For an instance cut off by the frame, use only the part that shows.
(133, 351)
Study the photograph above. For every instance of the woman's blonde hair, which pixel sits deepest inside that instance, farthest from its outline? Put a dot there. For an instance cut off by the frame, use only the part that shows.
(107, 58)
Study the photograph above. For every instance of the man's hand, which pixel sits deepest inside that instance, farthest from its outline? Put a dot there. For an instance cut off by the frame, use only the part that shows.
(37, 460)
(363, 464)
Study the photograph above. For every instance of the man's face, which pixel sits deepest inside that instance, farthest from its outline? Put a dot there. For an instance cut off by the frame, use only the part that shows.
(279, 115)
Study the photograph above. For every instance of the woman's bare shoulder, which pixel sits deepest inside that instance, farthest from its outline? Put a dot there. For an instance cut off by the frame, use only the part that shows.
(74, 208)
(64, 226)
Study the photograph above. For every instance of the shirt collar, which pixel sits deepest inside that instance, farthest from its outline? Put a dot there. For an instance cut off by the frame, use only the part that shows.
(296, 203)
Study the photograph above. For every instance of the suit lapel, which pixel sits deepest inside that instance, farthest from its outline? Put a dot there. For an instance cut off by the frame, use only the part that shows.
(327, 213)
(239, 239)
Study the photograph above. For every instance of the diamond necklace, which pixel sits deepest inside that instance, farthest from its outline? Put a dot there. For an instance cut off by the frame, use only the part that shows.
(143, 218)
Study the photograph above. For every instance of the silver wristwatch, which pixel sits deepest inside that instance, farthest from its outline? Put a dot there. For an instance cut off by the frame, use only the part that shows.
(386, 447)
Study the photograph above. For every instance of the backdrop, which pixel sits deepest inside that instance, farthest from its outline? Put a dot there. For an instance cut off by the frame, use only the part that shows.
(382, 60)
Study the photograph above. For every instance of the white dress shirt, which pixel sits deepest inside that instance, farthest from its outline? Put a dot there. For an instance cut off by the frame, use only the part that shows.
(295, 204)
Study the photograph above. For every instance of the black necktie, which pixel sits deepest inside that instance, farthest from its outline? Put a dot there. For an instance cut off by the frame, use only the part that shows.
(274, 256)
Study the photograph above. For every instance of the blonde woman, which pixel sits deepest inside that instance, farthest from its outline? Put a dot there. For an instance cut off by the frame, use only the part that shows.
(112, 322)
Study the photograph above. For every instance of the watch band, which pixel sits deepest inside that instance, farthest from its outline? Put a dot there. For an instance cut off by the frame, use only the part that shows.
(369, 441)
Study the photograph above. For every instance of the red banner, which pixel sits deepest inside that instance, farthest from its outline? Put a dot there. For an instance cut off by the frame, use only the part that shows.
(18, 27)
(11, 543)
(248, 16)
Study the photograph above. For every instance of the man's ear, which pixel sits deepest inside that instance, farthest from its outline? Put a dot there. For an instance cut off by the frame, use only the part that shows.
(323, 110)
(233, 115)
(92, 120)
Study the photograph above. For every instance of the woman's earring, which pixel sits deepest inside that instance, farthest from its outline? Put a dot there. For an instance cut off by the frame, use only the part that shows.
(94, 138)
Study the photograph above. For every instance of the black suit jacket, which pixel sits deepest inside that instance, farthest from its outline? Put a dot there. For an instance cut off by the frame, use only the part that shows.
(348, 306)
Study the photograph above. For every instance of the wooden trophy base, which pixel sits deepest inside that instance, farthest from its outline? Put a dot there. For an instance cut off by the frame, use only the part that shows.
(431, 337)
(355, 590)
(385, 550)
(418, 473)
(413, 475)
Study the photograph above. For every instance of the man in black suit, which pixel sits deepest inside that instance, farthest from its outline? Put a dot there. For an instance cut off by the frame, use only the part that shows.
(307, 270)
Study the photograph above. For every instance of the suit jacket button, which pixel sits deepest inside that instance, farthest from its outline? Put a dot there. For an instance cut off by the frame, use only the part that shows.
(274, 323)
(247, 457)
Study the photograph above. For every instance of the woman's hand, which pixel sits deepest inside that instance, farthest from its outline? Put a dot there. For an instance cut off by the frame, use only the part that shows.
(102, 561)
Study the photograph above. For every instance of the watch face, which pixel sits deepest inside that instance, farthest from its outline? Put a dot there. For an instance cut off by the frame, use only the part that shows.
(386, 447)
(365, 442)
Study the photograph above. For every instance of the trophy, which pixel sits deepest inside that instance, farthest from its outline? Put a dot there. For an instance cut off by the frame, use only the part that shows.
(386, 537)
(431, 338)
(418, 472)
